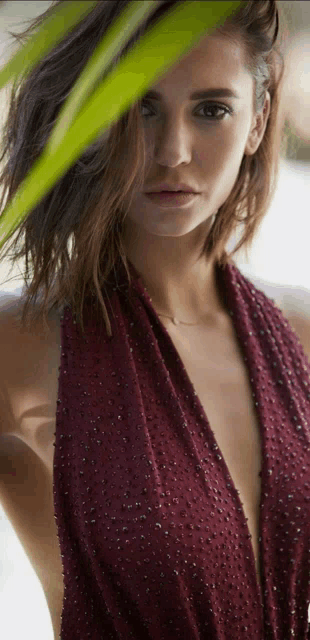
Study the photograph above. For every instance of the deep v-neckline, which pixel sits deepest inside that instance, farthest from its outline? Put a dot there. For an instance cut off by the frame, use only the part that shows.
(183, 371)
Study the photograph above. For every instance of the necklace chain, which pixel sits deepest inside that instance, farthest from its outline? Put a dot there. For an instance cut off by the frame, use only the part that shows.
(173, 318)
(176, 321)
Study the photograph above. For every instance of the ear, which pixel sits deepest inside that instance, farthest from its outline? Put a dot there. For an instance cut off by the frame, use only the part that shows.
(258, 127)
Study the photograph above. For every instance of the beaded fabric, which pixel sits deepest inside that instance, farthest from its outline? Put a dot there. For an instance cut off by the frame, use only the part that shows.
(153, 536)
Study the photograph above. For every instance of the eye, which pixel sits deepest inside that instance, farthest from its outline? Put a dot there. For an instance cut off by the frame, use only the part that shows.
(210, 105)
(205, 106)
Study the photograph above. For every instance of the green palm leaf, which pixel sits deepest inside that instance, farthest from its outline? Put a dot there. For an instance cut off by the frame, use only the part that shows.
(87, 113)
(64, 18)
(117, 36)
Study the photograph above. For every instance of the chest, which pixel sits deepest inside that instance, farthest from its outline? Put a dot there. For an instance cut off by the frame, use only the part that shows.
(215, 366)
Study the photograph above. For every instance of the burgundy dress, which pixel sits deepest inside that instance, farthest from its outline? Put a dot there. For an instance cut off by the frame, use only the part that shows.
(154, 540)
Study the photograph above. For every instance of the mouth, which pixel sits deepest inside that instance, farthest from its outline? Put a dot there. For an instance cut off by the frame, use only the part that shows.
(172, 198)
(171, 191)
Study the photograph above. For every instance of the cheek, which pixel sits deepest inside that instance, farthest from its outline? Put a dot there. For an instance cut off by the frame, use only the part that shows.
(221, 143)
(219, 164)
(220, 155)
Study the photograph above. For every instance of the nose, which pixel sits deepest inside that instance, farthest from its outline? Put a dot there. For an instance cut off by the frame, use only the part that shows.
(173, 145)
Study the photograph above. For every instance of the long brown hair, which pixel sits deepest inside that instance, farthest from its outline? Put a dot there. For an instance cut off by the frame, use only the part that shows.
(73, 237)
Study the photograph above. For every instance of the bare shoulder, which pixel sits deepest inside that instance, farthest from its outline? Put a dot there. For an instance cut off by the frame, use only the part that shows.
(11, 307)
(301, 323)
(299, 319)
(29, 357)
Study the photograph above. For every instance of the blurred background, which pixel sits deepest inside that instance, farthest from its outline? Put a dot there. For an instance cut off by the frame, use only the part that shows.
(278, 264)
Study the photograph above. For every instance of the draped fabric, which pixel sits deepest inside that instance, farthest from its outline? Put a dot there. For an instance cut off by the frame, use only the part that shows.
(153, 536)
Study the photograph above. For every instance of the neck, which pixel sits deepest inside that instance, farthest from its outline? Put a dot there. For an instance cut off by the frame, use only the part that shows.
(180, 284)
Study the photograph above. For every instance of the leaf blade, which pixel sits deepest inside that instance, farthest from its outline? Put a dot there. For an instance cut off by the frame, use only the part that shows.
(111, 43)
(65, 17)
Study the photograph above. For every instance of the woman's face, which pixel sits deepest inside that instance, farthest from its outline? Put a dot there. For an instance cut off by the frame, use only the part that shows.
(199, 141)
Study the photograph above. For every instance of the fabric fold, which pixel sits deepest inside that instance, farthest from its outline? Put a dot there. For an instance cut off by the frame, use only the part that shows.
(154, 540)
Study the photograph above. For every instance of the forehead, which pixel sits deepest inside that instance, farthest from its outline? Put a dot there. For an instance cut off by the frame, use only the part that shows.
(217, 59)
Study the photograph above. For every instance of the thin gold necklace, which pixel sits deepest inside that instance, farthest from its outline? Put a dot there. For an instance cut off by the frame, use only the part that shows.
(176, 321)
(173, 318)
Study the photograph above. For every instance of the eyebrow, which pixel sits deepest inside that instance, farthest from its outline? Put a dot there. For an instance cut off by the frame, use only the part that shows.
(198, 95)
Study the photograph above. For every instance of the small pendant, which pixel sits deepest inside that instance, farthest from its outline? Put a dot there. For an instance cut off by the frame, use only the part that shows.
(175, 321)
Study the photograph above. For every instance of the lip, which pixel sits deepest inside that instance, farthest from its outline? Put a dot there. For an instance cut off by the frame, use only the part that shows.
(171, 198)
(164, 186)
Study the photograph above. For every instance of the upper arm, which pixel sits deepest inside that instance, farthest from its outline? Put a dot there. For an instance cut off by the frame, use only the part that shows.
(26, 359)
(8, 346)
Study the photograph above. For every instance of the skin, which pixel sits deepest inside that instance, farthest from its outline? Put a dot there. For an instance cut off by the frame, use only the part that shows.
(183, 145)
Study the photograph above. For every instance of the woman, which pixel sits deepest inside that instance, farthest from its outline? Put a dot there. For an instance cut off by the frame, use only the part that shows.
(175, 457)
